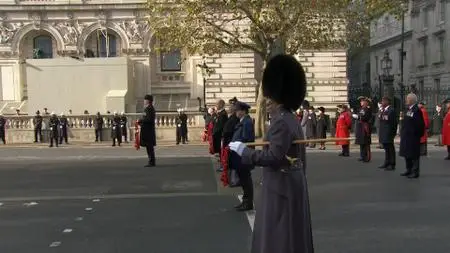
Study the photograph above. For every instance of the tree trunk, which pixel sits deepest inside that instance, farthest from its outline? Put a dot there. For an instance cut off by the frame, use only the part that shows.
(261, 114)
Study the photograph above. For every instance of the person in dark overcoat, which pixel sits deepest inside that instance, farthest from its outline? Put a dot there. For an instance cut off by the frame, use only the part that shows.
(148, 131)
(363, 129)
(387, 130)
(244, 132)
(53, 124)
(98, 125)
(124, 126)
(181, 122)
(322, 126)
(283, 219)
(311, 124)
(2, 128)
(63, 127)
(412, 130)
(219, 123)
(38, 127)
(116, 133)
(436, 123)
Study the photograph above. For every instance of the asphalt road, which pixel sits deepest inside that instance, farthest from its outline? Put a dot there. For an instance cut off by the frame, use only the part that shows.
(104, 200)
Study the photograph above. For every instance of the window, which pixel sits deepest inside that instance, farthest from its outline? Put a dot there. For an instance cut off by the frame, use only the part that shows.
(425, 18)
(442, 10)
(171, 61)
(42, 47)
(423, 51)
(108, 45)
(440, 47)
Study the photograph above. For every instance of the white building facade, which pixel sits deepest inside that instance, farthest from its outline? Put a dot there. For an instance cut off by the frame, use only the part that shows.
(426, 58)
(98, 55)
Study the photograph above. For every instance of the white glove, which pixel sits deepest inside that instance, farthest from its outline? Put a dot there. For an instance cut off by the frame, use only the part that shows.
(237, 147)
(355, 116)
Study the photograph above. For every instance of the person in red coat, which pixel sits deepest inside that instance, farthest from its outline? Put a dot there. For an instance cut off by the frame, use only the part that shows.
(424, 138)
(446, 130)
(343, 125)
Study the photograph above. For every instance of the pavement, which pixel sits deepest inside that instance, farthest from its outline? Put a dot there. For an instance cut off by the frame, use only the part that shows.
(101, 199)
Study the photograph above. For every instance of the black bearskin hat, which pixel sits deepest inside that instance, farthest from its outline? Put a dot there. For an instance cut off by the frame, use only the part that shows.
(284, 81)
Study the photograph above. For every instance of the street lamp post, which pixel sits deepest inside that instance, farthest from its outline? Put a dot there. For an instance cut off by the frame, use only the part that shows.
(206, 72)
(402, 55)
(388, 79)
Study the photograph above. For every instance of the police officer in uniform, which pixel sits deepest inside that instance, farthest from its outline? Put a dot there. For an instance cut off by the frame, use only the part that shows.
(98, 124)
(123, 126)
(38, 127)
(181, 122)
(387, 130)
(53, 124)
(363, 131)
(115, 130)
(63, 125)
(2, 128)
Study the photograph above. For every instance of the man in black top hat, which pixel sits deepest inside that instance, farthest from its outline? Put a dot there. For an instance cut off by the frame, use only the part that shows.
(387, 131)
(148, 132)
(363, 133)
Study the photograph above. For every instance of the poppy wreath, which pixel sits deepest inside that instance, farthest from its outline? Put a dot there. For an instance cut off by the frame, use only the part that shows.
(137, 135)
(224, 177)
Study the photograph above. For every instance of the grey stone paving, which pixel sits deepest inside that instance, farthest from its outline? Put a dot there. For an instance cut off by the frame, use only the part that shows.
(116, 205)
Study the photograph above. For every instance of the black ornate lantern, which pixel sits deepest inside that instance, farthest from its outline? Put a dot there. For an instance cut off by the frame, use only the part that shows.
(386, 63)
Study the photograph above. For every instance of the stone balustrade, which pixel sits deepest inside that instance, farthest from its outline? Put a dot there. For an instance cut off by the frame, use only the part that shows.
(20, 129)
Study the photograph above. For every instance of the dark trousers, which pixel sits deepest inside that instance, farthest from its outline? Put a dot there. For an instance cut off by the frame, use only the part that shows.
(2, 136)
(423, 149)
(246, 181)
(181, 136)
(98, 134)
(150, 154)
(38, 133)
(389, 154)
(63, 135)
(412, 165)
(364, 152)
(53, 137)
(346, 150)
(311, 145)
(116, 135)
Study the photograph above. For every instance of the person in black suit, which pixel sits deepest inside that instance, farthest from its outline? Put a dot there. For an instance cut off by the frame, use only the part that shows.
(363, 133)
(387, 130)
(219, 123)
(2, 128)
(412, 130)
(148, 132)
(38, 127)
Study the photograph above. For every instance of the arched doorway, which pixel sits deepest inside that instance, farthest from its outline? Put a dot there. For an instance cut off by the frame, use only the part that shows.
(38, 45)
(102, 43)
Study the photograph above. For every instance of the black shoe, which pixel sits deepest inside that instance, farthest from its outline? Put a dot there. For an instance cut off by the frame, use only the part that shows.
(246, 206)
(384, 166)
(406, 173)
(113, 145)
(390, 168)
(346, 155)
(238, 206)
(447, 158)
(150, 165)
(360, 160)
(413, 175)
(50, 146)
(341, 154)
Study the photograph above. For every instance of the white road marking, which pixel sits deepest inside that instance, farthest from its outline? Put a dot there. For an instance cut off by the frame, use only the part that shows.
(55, 244)
(250, 215)
(88, 209)
(67, 230)
(96, 200)
(30, 204)
(1, 204)
(78, 218)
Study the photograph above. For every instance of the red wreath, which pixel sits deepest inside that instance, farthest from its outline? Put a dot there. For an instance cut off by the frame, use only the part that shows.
(137, 135)
(224, 160)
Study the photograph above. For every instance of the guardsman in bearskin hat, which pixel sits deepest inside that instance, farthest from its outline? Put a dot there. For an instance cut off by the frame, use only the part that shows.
(343, 126)
(387, 130)
(281, 217)
(363, 131)
(446, 128)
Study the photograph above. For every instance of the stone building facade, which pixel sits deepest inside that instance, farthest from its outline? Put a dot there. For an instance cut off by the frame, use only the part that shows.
(100, 56)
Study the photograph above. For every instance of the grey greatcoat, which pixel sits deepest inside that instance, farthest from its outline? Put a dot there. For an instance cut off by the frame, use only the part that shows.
(283, 221)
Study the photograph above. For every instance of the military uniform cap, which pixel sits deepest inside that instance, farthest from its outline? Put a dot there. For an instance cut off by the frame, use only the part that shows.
(364, 98)
(340, 106)
(284, 81)
(321, 108)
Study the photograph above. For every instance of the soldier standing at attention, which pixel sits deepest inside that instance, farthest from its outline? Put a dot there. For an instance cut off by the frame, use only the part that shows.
(98, 124)
(63, 126)
(438, 119)
(115, 130)
(181, 129)
(123, 126)
(387, 130)
(37, 127)
(2, 128)
(148, 131)
(219, 123)
(53, 124)
(363, 133)
(412, 130)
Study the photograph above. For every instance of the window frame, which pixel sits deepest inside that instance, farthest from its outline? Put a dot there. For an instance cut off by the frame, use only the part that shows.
(171, 53)
(50, 38)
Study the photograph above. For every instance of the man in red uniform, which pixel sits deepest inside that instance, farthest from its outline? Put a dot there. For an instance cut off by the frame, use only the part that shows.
(424, 138)
(446, 130)
(343, 125)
